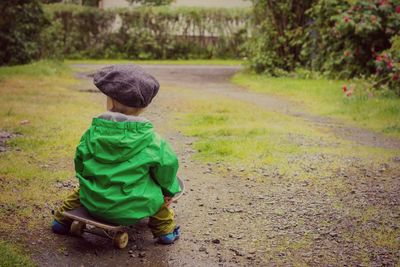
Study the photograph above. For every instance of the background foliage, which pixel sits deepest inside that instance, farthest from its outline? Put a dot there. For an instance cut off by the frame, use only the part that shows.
(145, 32)
(96, 2)
(277, 37)
(19, 38)
(352, 35)
(340, 38)
(151, 2)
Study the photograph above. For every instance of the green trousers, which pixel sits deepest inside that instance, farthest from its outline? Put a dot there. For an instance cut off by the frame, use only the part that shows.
(160, 223)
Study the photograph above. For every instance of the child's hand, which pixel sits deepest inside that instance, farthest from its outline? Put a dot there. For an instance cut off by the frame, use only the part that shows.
(167, 200)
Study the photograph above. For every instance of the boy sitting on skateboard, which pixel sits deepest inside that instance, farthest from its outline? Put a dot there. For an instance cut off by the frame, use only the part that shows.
(126, 171)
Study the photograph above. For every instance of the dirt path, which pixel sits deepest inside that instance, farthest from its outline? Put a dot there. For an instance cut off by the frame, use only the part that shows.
(215, 80)
(256, 217)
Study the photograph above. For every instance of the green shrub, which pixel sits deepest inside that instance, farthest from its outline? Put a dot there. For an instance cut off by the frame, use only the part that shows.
(387, 63)
(351, 34)
(151, 2)
(277, 38)
(319, 49)
(145, 32)
(339, 38)
(21, 23)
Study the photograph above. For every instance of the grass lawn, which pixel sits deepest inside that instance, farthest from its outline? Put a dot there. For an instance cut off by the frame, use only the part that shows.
(229, 62)
(47, 116)
(325, 97)
(240, 134)
(11, 256)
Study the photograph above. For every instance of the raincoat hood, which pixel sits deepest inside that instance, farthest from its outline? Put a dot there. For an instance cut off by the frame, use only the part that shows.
(116, 137)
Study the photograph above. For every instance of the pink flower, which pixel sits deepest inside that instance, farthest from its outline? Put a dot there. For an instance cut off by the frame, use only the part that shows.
(348, 90)
(389, 65)
(378, 58)
(395, 77)
(383, 2)
(398, 9)
(346, 18)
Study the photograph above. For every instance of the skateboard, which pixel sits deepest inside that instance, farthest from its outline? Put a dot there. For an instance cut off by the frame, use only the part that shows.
(84, 222)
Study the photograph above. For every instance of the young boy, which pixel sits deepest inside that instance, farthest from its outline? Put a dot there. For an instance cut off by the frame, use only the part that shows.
(126, 171)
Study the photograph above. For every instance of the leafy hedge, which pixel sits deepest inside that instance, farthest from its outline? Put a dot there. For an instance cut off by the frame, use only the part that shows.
(340, 38)
(144, 33)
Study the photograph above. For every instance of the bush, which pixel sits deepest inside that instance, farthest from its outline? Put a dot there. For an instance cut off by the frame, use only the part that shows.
(78, 31)
(351, 35)
(145, 32)
(318, 49)
(340, 38)
(151, 2)
(387, 65)
(20, 26)
(275, 46)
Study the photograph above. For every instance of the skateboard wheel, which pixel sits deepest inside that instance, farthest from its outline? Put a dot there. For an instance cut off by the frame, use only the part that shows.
(77, 228)
(121, 240)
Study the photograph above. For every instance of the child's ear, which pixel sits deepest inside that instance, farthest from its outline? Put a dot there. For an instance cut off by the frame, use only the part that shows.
(110, 103)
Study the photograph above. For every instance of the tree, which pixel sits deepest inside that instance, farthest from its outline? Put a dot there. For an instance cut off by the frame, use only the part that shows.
(21, 23)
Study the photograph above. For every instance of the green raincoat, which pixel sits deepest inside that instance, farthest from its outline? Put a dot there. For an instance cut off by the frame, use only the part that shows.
(124, 169)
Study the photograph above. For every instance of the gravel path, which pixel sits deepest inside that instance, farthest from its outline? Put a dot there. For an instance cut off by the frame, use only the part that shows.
(347, 213)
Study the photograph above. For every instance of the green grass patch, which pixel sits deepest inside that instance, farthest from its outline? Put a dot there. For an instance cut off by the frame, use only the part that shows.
(228, 62)
(230, 131)
(11, 256)
(40, 68)
(41, 106)
(325, 97)
(238, 133)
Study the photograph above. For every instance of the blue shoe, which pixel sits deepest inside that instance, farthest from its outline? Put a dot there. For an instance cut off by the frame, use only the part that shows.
(59, 228)
(171, 237)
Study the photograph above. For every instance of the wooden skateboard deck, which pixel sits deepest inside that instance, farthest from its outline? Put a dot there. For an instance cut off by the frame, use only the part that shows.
(80, 214)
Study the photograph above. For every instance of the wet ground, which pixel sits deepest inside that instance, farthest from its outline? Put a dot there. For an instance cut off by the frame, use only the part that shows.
(346, 214)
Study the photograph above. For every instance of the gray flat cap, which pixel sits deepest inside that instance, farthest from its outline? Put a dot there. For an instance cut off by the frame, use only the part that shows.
(128, 84)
